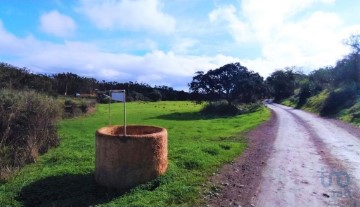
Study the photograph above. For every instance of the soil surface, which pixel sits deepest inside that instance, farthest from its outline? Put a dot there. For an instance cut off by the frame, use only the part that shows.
(294, 159)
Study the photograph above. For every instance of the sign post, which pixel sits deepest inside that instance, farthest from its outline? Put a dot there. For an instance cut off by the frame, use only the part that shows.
(118, 95)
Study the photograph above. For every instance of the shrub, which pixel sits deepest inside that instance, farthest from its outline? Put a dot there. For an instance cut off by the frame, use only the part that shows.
(351, 114)
(77, 107)
(316, 103)
(304, 93)
(220, 108)
(27, 127)
(103, 98)
(339, 99)
(249, 108)
(291, 102)
(354, 111)
(69, 106)
(224, 109)
(84, 106)
(136, 96)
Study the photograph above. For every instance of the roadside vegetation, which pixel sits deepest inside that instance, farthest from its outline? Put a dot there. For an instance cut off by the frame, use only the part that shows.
(332, 91)
(27, 128)
(198, 146)
(28, 125)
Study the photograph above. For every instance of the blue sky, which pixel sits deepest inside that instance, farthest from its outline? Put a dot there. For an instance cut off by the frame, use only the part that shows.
(164, 42)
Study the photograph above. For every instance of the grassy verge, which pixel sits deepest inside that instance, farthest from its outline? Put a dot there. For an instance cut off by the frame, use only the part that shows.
(198, 145)
(288, 102)
(351, 114)
(316, 103)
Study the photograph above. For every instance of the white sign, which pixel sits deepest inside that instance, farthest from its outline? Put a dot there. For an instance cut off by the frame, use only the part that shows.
(118, 96)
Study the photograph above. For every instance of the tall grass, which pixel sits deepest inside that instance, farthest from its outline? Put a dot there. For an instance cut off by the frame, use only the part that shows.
(27, 127)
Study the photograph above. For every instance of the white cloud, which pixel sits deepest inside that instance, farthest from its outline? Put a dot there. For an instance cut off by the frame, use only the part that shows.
(287, 36)
(183, 45)
(128, 14)
(284, 34)
(228, 14)
(12, 45)
(314, 41)
(156, 67)
(268, 17)
(57, 24)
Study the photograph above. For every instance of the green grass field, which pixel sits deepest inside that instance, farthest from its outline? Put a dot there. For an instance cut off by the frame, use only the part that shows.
(198, 146)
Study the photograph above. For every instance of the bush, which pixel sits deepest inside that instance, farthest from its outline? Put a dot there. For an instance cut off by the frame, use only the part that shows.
(77, 107)
(249, 108)
(304, 93)
(351, 114)
(291, 102)
(103, 98)
(136, 96)
(316, 103)
(338, 99)
(27, 127)
(220, 108)
(224, 109)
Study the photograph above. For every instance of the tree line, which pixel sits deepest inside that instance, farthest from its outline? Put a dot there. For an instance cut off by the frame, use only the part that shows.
(70, 84)
(236, 84)
(232, 82)
(337, 87)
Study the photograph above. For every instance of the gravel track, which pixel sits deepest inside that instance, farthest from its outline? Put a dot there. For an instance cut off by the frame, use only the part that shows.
(295, 159)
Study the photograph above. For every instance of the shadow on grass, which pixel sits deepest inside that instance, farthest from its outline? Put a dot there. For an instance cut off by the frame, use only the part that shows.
(190, 116)
(66, 190)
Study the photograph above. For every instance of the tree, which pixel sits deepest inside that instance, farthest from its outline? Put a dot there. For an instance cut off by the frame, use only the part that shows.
(322, 78)
(230, 82)
(351, 65)
(88, 85)
(67, 83)
(354, 42)
(154, 95)
(282, 83)
(11, 76)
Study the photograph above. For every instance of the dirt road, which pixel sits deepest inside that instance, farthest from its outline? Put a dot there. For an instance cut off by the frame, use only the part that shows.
(312, 161)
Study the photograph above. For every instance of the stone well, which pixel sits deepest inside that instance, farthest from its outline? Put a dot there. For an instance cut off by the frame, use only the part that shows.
(123, 162)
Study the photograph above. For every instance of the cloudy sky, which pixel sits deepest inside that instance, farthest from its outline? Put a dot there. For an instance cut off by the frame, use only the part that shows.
(163, 42)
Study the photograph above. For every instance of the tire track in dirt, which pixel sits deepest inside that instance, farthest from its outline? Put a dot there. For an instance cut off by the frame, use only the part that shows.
(341, 175)
(299, 159)
(292, 176)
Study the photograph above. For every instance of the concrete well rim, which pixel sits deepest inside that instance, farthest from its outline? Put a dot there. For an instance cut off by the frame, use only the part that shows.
(158, 131)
